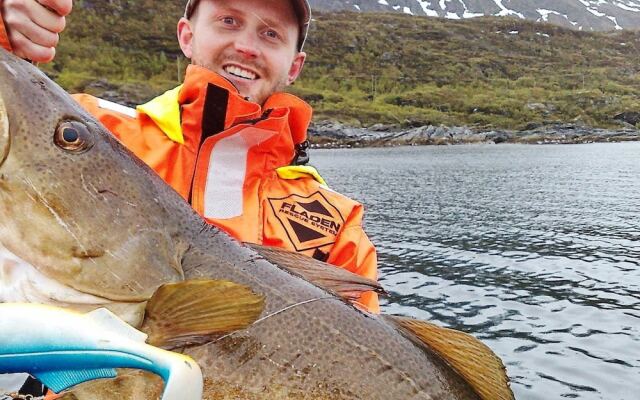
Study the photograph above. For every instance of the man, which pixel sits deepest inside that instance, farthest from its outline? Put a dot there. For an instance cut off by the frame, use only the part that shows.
(228, 139)
(244, 179)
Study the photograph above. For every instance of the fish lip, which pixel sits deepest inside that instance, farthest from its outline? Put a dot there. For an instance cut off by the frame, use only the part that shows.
(36, 286)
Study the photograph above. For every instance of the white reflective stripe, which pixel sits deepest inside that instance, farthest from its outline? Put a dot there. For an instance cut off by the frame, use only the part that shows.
(109, 105)
(223, 192)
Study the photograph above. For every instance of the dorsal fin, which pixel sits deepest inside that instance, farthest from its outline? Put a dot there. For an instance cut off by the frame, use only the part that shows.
(339, 281)
(197, 311)
(469, 357)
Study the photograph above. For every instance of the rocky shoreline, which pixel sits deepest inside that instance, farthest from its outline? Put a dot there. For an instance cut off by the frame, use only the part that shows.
(336, 135)
(331, 134)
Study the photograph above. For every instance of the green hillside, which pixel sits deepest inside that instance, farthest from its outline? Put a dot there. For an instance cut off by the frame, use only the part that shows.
(364, 69)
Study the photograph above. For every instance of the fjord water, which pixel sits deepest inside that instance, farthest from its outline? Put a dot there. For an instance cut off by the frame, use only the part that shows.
(535, 249)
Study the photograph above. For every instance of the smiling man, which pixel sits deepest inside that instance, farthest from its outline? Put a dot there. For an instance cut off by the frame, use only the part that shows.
(255, 45)
(229, 140)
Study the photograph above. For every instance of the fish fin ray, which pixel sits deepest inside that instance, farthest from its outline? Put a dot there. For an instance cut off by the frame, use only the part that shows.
(474, 361)
(338, 281)
(197, 311)
(61, 380)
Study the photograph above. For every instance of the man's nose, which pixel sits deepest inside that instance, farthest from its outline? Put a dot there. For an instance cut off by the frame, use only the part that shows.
(247, 44)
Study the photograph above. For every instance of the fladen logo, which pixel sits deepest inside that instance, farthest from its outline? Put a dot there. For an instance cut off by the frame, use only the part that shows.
(310, 222)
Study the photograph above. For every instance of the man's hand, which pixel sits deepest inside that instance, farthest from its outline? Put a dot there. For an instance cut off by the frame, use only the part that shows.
(33, 26)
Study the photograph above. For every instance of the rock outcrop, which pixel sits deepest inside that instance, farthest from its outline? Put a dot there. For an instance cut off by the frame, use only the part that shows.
(333, 134)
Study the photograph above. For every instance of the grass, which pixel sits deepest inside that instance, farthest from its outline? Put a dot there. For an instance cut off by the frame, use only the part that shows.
(363, 69)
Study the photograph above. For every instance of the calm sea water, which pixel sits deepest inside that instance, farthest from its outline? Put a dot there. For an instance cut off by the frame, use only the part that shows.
(533, 249)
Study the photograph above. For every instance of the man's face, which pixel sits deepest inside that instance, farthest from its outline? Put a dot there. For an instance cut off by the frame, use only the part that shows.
(253, 43)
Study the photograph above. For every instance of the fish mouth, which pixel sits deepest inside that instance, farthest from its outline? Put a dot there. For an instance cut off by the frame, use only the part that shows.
(21, 282)
(5, 142)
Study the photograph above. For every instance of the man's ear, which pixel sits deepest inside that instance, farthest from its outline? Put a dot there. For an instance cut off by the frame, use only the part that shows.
(296, 67)
(185, 37)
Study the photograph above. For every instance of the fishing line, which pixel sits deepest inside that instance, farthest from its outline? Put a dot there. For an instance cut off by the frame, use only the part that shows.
(287, 308)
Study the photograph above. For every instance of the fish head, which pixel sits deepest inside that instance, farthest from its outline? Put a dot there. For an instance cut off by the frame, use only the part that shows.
(73, 202)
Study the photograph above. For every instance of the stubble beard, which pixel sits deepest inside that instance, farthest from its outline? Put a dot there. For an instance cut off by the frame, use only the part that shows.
(264, 94)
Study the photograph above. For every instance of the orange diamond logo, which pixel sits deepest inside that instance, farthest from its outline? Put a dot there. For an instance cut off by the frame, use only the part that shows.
(311, 222)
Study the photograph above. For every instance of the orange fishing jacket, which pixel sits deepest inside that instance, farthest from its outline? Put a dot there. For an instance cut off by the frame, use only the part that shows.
(232, 160)
(4, 40)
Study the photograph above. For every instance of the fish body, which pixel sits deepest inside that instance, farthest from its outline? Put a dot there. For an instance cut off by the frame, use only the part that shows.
(71, 348)
(83, 211)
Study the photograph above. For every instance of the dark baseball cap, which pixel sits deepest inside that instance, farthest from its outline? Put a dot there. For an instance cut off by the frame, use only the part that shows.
(301, 8)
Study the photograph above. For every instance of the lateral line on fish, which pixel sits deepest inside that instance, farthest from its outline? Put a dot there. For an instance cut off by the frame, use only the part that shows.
(404, 376)
(419, 391)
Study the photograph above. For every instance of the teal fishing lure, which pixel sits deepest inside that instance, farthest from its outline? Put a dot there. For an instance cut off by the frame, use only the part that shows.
(63, 348)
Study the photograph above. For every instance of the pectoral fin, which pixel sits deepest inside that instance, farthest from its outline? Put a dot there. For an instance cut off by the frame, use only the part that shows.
(195, 312)
(336, 280)
(472, 359)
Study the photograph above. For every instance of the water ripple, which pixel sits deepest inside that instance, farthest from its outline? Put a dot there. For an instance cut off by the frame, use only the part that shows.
(533, 249)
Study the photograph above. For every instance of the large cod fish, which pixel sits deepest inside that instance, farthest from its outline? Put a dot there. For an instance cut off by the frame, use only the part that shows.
(100, 229)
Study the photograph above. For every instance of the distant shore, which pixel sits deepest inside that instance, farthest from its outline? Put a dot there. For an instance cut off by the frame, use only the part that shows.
(336, 135)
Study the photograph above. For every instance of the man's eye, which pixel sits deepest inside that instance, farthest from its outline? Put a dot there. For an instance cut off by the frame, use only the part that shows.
(228, 20)
(272, 34)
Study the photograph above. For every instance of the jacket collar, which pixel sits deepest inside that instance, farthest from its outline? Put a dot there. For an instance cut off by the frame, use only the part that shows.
(179, 112)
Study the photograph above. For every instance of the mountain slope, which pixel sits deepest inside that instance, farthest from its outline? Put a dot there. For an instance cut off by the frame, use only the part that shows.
(591, 15)
(367, 68)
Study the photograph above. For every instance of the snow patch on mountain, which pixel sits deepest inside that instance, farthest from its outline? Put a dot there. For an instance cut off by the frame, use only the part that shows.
(633, 8)
(544, 14)
(580, 14)
(505, 12)
(426, 8)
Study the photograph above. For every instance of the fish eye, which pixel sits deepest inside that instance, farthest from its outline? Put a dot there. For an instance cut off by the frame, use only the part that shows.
(73, 136)
(70, 135)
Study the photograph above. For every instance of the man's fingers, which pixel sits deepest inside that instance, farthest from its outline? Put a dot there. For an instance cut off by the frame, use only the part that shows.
(25, 48)
(16, 13)
(60, 7)
(33, 26)
(40, 36)
(31, 29)
(47, 18)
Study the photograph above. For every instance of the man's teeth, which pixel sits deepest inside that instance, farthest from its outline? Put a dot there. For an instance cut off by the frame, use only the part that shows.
(242, 73)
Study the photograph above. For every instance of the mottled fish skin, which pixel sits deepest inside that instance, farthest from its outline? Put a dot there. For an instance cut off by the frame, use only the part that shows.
(103, 223)
(102, 228)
